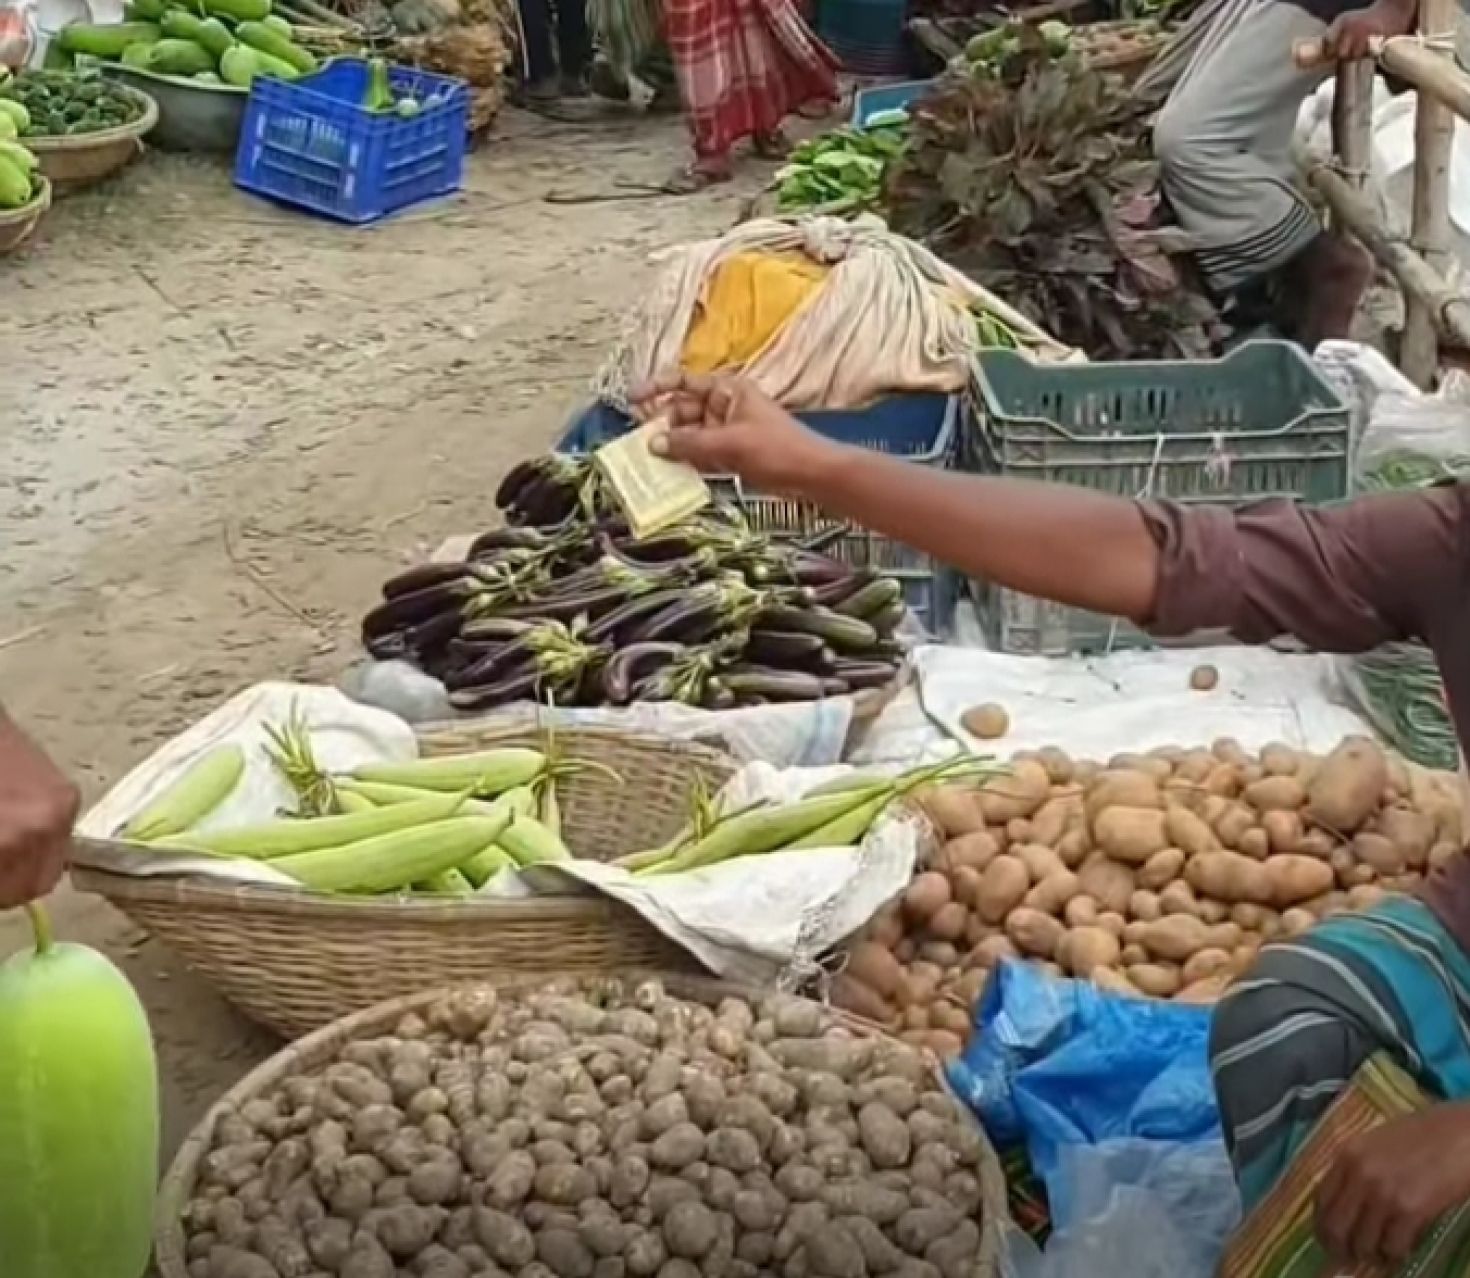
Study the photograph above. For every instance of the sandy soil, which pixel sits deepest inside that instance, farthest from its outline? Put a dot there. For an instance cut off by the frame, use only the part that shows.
(223, 424)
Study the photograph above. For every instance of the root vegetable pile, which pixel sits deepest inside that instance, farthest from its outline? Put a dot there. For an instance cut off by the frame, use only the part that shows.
(1158, 874)
(596, 1132)
(567, 605)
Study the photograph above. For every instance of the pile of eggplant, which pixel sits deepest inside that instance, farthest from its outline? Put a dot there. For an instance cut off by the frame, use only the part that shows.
(565, 606)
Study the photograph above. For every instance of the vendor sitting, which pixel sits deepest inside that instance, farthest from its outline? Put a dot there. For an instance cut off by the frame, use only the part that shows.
(1298, 1026)
(1224, 144)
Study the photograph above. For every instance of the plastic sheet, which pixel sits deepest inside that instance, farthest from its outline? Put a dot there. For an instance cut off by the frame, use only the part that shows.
(1147, 1209)
(1055, 1064)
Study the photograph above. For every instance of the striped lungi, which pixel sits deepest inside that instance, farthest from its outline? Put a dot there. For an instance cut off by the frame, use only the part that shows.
(1279, 1238)
(1289, 1038)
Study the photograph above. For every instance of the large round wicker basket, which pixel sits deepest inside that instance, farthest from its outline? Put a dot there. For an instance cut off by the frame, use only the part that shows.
(320, 1048)
(76, 161)
(296, 960)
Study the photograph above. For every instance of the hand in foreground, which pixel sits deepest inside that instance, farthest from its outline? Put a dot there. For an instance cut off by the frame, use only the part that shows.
(37, 807)
(727, 425)
(1389, 1185)
(1352, 35)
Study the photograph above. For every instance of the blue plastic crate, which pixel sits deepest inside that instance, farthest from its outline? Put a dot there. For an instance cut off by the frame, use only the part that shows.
(869, 37)
(867, 103)
(922, 428)
(312, 144)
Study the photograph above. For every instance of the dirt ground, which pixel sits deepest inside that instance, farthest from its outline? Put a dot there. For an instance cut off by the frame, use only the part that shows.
(223, 424)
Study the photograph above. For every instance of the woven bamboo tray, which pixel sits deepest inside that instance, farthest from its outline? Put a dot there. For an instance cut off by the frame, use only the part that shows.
(296, 960)
(320, 1048)
(74, 162)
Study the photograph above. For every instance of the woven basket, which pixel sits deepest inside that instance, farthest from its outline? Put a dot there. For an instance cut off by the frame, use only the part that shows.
(323, 1046)
(16, 225)
(296, 960)
(72, 162)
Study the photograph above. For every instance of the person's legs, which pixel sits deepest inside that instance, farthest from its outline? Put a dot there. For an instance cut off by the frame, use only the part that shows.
(540, 58)
(1223, 141)
(574, 44)
(1291, 1034)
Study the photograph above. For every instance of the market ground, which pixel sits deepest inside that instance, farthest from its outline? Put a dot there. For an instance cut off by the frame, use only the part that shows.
(222, 425)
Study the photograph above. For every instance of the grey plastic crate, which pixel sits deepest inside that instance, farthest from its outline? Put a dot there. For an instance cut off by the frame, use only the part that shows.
(1260, 422)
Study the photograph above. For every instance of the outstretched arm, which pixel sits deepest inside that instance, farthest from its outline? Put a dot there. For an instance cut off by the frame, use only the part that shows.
(37, 807)
(1343, 578)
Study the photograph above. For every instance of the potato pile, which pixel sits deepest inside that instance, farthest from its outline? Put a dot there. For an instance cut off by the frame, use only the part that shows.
(1158, 874)
(596, 1131)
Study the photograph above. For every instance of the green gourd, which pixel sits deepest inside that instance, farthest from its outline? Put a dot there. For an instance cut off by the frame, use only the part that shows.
(78, 1115)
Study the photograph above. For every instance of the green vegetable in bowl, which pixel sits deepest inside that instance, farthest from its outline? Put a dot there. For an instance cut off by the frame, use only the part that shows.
(78, 1115)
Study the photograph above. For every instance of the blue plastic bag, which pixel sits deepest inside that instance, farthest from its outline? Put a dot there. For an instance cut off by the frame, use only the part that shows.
(1055, 1064)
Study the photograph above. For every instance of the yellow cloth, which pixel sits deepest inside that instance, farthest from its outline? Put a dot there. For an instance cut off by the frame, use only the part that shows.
(747, 301)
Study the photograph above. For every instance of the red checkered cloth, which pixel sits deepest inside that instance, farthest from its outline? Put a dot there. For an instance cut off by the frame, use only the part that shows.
(743, 66)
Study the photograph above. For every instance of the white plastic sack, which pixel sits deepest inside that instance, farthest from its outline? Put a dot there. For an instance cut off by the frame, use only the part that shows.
(1095, 707)
(757, 919)
(1393, 157)
(344, 735)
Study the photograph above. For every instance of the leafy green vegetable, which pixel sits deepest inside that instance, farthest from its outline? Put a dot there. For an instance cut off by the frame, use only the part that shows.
(839, 172)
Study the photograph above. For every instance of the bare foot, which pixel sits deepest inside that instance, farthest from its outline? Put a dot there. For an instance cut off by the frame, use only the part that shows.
(1333, 274)
(697, 176)
(771, 146)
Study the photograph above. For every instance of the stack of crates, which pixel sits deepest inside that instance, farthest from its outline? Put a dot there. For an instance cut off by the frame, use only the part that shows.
(1260, 422)
(922, 428)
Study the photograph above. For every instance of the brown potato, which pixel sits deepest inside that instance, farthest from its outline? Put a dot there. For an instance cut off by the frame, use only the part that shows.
(1275, 794)
(1058, 764)
(953, 808)
(1109, 883)
(1085, 949)
(1080, 911)
(1041, 862)
(1348, 786)
(875, 967)
(1178, 898)
(1158, 980)
(1255, 843)
(1112, 921)
(1002, 887)
(1411, 832)
(975, 850)
(928, 893)
(1033, 932)
(1128, 788)
(1053, 892)
(947, 923)
(1204, 678)
(987, 721)
(1129, 834)
(1189, 832)
(1280, 760)
(1379, 853)
(1018, 793)
(1161, 869)
(1283, 831)
(1074, 846)
(1145, 906)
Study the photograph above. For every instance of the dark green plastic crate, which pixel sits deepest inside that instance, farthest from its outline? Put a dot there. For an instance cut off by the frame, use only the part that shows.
(1259, 422)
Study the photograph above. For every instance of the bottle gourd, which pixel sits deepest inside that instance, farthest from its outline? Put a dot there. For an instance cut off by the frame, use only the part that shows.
(78, 1115)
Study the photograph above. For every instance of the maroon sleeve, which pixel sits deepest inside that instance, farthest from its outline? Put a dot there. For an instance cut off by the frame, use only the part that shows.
(1341, 578)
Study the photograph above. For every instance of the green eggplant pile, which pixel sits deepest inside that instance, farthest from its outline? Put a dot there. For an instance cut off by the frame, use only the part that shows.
(564, 605)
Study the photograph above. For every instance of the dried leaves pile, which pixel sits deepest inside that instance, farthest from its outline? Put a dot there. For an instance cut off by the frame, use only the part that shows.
(1037, 179)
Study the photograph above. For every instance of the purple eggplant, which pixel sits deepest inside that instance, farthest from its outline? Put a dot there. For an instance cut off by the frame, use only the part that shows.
(418, 605)
(774, 685)
(787, 648)
(612, 624)
(494, 629)
(421, 577)
(864, 674)
(629, 665)
(831, 593)
(523, 683)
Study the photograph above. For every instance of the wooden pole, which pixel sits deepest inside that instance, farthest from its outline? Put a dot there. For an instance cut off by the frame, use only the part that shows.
(1430, 70)
(1352, 120)
(1434, 132)
(1449, 312)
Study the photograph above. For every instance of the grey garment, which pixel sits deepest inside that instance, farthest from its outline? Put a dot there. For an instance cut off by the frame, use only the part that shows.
(1223, 140)
(1192, 44)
